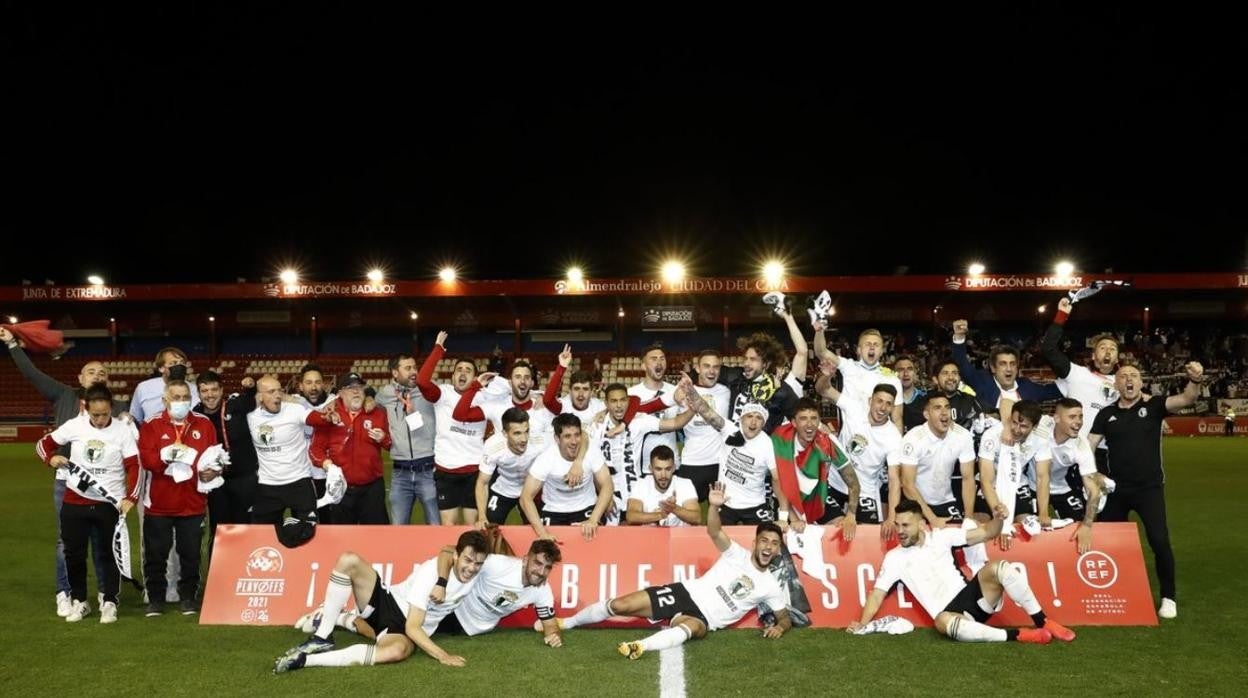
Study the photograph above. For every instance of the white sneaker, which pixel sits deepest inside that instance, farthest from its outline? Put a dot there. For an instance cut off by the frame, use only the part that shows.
(108, 612)
(64, 605)
(1168, 609)
(78, 611)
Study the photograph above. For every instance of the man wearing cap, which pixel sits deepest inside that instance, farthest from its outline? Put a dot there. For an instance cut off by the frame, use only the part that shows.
(355, 445)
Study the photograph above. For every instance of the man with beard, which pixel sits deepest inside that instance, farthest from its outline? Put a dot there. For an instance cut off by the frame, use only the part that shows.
(231, 502)
(756, 380)
(412, 427)
(505, 585)
(67, 403)
(504, 467)
(700, 456)
(662, 499)
(912, 396)
(1092, 387)
(1003, 381)
(739, 581)
(653, 386)
(355, 444)
(1006, 452)
(485, 400)
(806, 459)
(1132, 428)
(929, 455)
(580, 399)
(458, 445)
(565, 504)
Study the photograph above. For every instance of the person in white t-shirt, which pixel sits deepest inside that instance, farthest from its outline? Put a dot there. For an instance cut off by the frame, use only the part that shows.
(1070, 481)
(929, 453)
(505, 585)
(580, 399)
(1006, 452)
(402, 617)
(738, 582)
(277, 430)
(924, 563)
(699, 459)
(508, 455)
(662, 499)
(653, 386)
(859, 377)
(565, 504)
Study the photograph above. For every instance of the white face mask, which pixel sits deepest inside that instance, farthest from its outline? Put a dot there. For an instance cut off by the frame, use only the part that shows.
(179, 410)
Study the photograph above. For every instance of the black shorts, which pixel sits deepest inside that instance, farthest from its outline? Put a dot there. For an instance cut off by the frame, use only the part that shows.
(967, 601)
(498, 507)
(745, 517)
(386, 614)
(1071, 505)
(834, 508)
(455, 490)
(702, 477)
(1024, 502)
(450, 626)
(673, 600)
(272, 501)
(566, 518)
(947, 510)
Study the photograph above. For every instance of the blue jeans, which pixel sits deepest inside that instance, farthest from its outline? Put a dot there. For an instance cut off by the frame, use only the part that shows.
(410, 480)
(62, 574)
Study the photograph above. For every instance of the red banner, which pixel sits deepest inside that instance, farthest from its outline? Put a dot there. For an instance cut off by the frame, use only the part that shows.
(611, 287)
(255, 581)
(1201, 426)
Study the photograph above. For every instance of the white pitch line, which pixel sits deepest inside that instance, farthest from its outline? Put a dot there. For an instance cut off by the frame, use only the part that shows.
(672, 673)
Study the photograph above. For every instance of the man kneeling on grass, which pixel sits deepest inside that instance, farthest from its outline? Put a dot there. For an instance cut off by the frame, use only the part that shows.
(738, 582)
(402, 617)
(924, 563)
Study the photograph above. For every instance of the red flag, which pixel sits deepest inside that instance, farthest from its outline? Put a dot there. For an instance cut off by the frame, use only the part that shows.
(36, 336)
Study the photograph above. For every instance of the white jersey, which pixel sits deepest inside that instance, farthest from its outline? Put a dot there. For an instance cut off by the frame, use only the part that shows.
(308, 432)
(458, 444)
(733, 587)
(871, 448)
(550, 469)
(586, 415)
(936, 459)
(622, 453)
(648, 494)
(858, 381)
(1072, 452)
(744, 469)
(927, 569)
(1093, 390)
(413, 592)
(703, 441)
(511, 468)
(654, 438)
(281, 449)
(101, 452)
(498, 591)
(494, 406)
(1011, 461)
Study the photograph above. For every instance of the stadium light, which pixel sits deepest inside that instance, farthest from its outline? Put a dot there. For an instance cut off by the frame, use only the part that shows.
(95, 280)
(375, 275)
(673, 272)
(12, 319)
(832, 311)
(212, 318)
(575, 275)
(447, 274)
(975, 269)
(1064, 268)
(620, 313)
(289, 276)
(1041, 309)
(414, 315)
(773, 273)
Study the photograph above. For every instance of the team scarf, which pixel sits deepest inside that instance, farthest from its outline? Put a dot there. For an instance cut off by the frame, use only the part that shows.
(83, 482)
(804, 476)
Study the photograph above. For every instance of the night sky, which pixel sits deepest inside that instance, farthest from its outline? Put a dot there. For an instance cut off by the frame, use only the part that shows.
(203, 144)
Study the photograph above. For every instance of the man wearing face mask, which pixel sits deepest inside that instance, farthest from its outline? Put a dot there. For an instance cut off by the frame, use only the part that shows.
(148, 398)
(171, 449)
(355, 445)
(231, 502)
(67, 404)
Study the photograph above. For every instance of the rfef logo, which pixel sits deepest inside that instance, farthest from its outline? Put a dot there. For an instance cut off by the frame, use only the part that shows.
(1097, 569)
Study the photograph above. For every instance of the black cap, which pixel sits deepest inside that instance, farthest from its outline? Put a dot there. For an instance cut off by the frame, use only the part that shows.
(350, 379)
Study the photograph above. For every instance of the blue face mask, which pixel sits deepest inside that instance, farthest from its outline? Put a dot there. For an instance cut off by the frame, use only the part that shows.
(179, 410)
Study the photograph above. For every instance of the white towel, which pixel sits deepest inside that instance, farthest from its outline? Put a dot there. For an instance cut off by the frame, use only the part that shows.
(808, 545)
(179, 471)
(976, 555)
(335, 486)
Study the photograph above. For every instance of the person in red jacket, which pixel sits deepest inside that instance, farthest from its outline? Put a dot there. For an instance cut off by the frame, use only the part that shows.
(355, 446)
(171, 449)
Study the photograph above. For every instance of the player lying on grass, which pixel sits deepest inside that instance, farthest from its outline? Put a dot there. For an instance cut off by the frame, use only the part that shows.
(402, 617)
(924, 563)
(735, 584)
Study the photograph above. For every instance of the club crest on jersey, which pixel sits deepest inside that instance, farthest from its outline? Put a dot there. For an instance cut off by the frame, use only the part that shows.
(95, 451)
(1143, 412)
(368, 424)
(857, 445)
(195, 434)
(505, 599)
(266, 434)
(741, 587)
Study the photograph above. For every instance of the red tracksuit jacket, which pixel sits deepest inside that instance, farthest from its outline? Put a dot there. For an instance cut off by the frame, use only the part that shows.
(171, 498)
